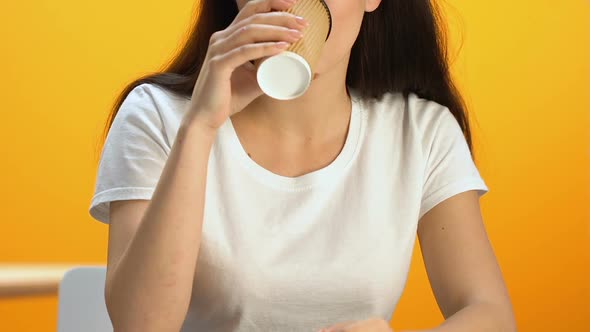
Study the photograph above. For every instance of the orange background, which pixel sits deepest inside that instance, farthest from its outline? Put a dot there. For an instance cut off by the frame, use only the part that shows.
(524, 68)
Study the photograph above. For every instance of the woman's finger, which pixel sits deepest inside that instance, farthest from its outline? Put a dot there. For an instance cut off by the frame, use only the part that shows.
(262, 6)
(256, 33)
(283, 19)
(240, 55)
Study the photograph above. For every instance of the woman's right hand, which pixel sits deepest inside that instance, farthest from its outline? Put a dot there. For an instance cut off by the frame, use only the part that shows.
(227, 81)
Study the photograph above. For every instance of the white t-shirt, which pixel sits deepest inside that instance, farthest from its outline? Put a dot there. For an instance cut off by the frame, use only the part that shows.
(298, 254)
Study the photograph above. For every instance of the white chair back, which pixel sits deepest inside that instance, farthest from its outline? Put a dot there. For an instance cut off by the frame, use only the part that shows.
(81, 301)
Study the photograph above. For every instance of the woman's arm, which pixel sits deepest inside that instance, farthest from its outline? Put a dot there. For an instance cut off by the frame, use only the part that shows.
(153, 255)
(462, 268)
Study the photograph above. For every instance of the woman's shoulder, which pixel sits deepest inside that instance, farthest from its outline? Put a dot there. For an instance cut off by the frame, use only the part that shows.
(408, 110)
(148, 92)
(149, 98)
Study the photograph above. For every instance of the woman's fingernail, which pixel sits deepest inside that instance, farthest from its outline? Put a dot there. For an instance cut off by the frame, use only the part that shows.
(295, 33)
(281, 45)
(303, 22)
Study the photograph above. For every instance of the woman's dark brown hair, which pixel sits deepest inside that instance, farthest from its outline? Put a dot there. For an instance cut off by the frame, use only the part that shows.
(401, 47)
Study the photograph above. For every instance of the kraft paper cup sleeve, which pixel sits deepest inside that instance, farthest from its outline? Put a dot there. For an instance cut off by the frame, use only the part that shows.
(289, 74)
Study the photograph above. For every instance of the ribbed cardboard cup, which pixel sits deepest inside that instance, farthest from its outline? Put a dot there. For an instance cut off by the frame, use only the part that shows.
(288, 75)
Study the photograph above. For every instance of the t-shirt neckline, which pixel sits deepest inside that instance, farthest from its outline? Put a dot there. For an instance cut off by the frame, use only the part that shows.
(331, 171)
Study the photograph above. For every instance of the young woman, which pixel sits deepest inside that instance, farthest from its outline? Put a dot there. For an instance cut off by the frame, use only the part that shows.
(232, 211)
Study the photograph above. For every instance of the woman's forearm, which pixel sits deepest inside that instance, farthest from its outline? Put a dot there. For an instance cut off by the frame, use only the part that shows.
(151, 284)
(478, 317)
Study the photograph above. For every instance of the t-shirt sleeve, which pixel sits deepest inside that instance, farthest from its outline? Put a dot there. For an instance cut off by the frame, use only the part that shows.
(450, 169)
(133, 156)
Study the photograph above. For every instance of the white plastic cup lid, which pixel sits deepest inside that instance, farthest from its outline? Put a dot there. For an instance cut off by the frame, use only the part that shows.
(284, 76)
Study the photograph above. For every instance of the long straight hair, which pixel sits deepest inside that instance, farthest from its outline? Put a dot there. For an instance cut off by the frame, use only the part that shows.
(401, 47)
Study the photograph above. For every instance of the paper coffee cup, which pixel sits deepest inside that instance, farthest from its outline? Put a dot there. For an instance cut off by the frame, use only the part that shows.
(288, 75)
